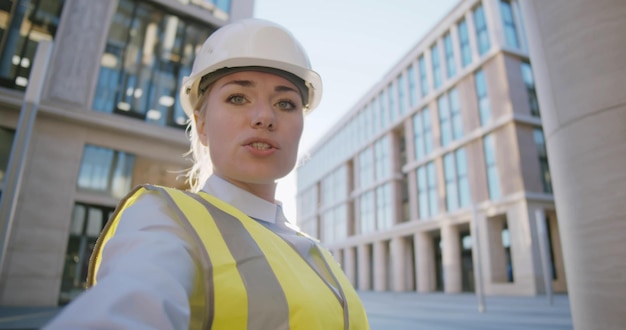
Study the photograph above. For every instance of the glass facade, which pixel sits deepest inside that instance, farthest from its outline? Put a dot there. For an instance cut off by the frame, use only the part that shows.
(482, 34)
(391, 100)
(493, 177)
(382, 150)
(23, 23)
(529, 81)
(87, 222)
(366, 169)
(412, 86)
(106, 171)
(484, 107)
(427, 190)
(444, 120)
(423, 76)
(422, 134)
(449, 51)
(384, 211)
(540, 142)
(464, 43)
(436, 62)
(455, 113)
(457, 184)
(401, 94)
(508, 21)
(148, 52)
(367, 216)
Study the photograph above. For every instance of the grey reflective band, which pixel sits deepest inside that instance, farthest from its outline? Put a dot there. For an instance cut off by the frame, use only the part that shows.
(266, 298)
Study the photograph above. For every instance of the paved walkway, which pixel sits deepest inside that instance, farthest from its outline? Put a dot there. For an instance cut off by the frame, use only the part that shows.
(439, 311)
(403, 311)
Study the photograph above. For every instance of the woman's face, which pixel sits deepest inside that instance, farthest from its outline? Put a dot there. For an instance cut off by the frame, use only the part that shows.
(252, 122)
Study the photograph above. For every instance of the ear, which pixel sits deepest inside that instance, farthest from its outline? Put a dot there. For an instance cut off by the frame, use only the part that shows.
(200, 121)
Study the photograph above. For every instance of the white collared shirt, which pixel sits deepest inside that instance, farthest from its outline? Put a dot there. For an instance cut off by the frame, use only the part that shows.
(147, 270)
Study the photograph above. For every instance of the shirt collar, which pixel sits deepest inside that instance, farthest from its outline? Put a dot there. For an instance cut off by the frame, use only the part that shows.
(246, 202)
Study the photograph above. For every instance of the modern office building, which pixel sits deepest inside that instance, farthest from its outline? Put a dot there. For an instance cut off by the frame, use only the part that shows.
(435, 179)
(108, 118)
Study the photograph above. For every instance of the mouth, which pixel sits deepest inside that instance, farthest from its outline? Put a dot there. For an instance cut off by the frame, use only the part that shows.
(260, 145)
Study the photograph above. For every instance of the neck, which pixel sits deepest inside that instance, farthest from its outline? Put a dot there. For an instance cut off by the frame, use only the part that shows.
(264, 191)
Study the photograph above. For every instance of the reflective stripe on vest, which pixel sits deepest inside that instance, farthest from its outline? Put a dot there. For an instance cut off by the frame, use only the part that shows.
(252, 277)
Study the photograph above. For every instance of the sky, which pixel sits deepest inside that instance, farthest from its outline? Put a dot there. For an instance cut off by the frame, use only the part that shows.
(352, 44)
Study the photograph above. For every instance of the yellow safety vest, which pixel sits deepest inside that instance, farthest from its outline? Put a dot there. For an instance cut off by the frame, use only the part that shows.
(248, 276)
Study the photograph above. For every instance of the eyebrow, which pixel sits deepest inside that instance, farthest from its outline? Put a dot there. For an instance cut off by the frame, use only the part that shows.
(250, 83)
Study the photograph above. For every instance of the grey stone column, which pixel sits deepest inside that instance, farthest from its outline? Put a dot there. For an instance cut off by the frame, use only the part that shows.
(451, 259)
(577, 50)
(380, 266)
(78, 50)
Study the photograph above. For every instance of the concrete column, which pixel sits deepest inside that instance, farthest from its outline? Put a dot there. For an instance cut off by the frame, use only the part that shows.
(78, 50)
(380, 265)
(398, 255)
(451, 259)
(424, 263)
(349, 265)
(363, 253)
(577, 50)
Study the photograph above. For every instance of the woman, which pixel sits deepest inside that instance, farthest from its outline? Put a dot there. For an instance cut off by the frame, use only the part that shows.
(223, 256)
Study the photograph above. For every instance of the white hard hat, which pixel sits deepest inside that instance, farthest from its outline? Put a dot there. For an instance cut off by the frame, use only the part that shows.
(253, 43)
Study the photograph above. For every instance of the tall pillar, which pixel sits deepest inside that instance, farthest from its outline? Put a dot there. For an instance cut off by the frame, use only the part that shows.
(363, 253)
(424, 263)
(451, 259)
(349, 265)
(577, 50)
(398, 256)
(380, 266)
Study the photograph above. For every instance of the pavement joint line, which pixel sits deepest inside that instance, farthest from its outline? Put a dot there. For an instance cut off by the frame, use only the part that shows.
(24, 316)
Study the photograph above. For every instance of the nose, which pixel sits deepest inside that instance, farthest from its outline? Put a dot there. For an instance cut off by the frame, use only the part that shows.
(263, 117)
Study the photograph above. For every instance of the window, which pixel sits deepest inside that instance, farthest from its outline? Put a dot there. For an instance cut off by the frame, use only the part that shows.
(400, 86)
(506, 244)
(365, 168)
(482, 35)
(384, 114)
(328, 226)
(444, 120)
(529, 81)
(457, 186)
(87, 223)
(391, 99)
(449, 49)
(540, 142)
(384, 213)
(427, 190)
(510, 30)
(450, 121)
(422, 134)
(484, 107)
(23, 24)
(493, 178)
(466, 51)
(366, 206)
(455, 113)
(434, 57)
(106, 170)
(148, 52)
(383, 159)
(6, 144)
(423, 76)
(412, 86)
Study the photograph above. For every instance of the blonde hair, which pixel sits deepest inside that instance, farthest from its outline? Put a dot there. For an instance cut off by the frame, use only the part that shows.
(198, 153)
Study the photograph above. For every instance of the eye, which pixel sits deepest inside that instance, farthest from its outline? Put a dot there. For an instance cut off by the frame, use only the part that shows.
(286, 105)
(236, 99)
